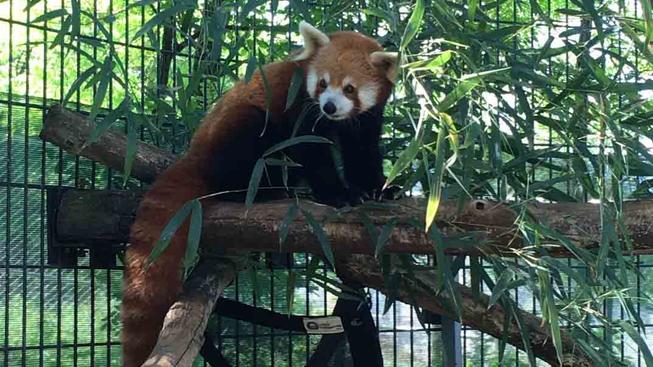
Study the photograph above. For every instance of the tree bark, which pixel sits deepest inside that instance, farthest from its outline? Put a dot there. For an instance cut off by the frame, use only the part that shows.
(423, 292)
(86, 216)
(182, 334)
(70, 131)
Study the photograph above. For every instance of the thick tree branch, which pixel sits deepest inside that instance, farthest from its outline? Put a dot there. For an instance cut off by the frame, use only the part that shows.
(86, 216)
(423, 292)
(71, 131)
(182, 334)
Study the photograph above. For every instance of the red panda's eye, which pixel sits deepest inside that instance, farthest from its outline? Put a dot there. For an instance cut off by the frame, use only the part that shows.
(323, 83)
(349, 89)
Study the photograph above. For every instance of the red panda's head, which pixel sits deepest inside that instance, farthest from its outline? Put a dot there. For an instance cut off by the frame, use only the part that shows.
(347, 73)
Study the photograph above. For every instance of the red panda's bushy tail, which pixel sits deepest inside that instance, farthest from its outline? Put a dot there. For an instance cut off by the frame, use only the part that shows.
(149, 291)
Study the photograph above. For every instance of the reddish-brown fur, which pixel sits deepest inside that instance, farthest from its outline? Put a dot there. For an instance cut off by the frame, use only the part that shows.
(220, 158)
(150, 291)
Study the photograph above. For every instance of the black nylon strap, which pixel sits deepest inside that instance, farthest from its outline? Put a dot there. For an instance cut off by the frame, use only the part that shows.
(259, 316)
(211, 354)
(362, 334)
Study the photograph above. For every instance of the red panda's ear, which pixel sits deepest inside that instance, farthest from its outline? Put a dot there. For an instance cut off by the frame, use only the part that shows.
(313, 39)
(387, 61)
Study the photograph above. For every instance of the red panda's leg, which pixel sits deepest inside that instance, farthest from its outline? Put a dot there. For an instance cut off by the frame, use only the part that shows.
(361, 156)
(320, 170)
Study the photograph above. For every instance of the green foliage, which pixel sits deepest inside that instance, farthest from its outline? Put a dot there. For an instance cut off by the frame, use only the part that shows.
(520, 101)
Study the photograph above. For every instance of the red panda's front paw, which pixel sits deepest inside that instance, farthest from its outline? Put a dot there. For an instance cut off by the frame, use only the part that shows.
(356, 196)
(346, 197)
(392, 192)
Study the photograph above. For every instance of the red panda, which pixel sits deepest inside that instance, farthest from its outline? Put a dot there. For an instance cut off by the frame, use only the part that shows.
(347, 81)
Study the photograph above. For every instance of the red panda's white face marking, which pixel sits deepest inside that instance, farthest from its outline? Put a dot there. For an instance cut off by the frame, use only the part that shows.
(367, 95)
(335, 100)
(340, 95)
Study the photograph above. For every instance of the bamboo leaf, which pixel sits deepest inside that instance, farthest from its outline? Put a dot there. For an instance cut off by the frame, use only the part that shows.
(500, 287)
(65, 27)
(294, 141)
(75, 17)
(169, 231)
(268, 96)
(254, 182)
(413, 25)
(194, 234)
(454, 293)
(460, 91)
(281, 162)
(30, 4)
(318, 231)
(648, 19)
(103, 85)
(435, 179)
(382, 240)
(523, 332)
(85, 75)
(641, 343)
(249, 6)
(552, 318)
(555, 333)
(296, 82)
(405, 159)
(371, 229)
(132, 145)
(108, 120)
(290, 291)
(290, 216)
(58, 13)
(163, 17)
(379, 13)
(432, 64)
(471, 11)
(251, 67)
(391, 281)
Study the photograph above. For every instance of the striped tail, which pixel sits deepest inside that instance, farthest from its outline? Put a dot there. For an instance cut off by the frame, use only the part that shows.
(150, 289)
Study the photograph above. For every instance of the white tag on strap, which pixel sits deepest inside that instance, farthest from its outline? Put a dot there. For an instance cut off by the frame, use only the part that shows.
(323, 325)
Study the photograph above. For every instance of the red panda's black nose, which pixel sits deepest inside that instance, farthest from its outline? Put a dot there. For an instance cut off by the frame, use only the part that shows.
(329, 108)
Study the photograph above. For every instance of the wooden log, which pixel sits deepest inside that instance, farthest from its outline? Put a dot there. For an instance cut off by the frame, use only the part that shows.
(86, 216)
(182, 334)
(423, 292)
(71, 131)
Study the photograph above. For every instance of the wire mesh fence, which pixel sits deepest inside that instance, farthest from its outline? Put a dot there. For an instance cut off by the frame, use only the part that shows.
(70, 317)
